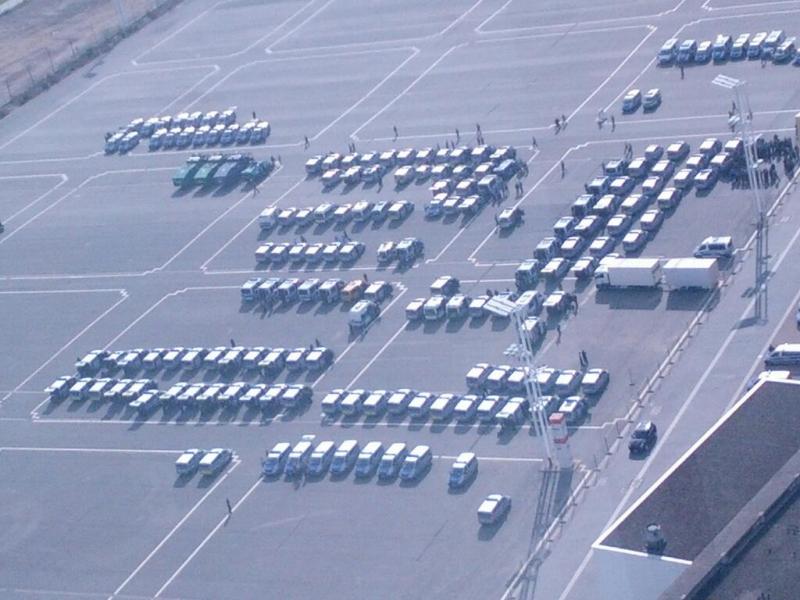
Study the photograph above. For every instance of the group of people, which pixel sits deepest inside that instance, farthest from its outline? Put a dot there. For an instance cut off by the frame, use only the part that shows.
(561, 123)
(771, 151)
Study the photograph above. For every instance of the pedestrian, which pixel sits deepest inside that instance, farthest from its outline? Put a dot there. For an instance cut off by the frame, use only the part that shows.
(394, 128)
(558, 125)
(563, 121)
(366, 280)
(558, 331)
(613, 123)
(316, 341)
(380, 182)
(254, 115)
(496, 221)
(255, 190)
(458, 135)
(478, 128)
(305, 140)
(230, 508)
(733, 106)
(575, 304)
(584, 359)
(533, 143)
(303, 239)
(108, 135)
(682, 72)
(280, 160)
(580, 360)
(563, 169)
(233, 343)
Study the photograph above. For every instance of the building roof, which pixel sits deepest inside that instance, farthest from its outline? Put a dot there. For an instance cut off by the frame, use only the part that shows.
(713, 482)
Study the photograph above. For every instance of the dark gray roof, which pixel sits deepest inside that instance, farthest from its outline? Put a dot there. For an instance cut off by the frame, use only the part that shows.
(756, 554)
(710, 487)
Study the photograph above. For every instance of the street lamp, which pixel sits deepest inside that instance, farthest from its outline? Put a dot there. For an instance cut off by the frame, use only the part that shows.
(523, 351)
(744, 120)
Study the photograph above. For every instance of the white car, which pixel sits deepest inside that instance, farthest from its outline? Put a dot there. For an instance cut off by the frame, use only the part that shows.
(214, 461)
(188, 462)
(493, 509)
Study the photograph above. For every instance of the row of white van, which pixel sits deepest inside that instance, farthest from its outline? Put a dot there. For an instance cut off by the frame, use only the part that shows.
(389, 462)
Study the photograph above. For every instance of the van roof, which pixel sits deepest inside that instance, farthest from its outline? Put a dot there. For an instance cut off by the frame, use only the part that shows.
(420, 450)
(396, 448)
(788, 347)
(371, 447)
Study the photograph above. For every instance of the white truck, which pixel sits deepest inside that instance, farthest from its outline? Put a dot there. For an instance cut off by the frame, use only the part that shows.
(614, 272)
(700, 273)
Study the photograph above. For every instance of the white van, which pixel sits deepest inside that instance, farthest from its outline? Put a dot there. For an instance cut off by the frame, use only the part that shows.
(715, 247)
(668, 52)
(418, 461)
(368, 459)
(392, 460)
(783, 355)
(298, 458)
(345, 457)
(321, 458)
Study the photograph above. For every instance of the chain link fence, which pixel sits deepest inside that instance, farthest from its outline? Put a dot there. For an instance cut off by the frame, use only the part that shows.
(43, 41)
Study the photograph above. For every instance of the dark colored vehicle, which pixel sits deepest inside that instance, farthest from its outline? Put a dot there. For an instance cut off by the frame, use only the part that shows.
(205, 174)
(643, 438)
(232, 168)
(256, 171)
(185, 175)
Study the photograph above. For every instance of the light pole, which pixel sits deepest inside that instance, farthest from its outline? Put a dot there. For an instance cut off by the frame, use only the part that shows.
(523, 351)
(744, 120)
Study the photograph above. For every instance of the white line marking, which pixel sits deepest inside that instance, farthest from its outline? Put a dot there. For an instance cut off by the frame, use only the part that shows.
(414, 52)
(463, 16)
(123, 296)
(206, 539)
(249, 224)
(166, 538)
(570, 25)
(298, 26)
(205, 229)
(402, 290)
(651, 30)
(90, 450)
(244, 50)
(639, 554)
(377, 355)
(86, 91)
(407, 89)
(63, 178)
(512, 459)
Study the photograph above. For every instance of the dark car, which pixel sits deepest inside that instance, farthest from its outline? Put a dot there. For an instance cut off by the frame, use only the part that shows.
(643, 438)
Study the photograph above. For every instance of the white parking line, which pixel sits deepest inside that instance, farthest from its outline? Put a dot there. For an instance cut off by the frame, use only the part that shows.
(80, 95)
(402, 290)
(249, 224)
(244, 50)
(62, 176)
(479, 29)
(414, 52)
(205, 229)
(88, 450)
(123, 296)
(377, 355)
(299, 25)
(391, 103)
(511, 459)
(140, 566)
(206, 539)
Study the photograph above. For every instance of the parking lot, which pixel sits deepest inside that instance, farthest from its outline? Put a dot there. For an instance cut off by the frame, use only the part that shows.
(104, 252)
